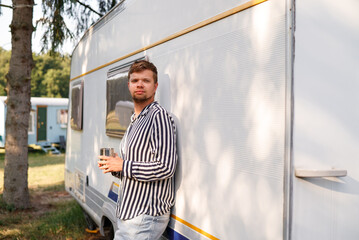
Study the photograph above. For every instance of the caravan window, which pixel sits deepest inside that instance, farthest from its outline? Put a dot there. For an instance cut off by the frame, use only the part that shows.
(76, 106)
(31, 129)
(119, 104)
(62, 117)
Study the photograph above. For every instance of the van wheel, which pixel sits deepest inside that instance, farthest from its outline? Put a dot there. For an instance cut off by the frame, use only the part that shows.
(109, 232)
(90, 224)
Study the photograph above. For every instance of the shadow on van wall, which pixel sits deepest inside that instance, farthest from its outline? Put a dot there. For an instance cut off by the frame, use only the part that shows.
(345, 184)
(163, 96)
(228, 94)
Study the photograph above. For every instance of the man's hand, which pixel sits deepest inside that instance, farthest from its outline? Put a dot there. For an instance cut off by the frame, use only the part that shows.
(110, 164)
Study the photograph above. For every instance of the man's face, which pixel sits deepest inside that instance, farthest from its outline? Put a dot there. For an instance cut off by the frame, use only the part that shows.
(142, 86)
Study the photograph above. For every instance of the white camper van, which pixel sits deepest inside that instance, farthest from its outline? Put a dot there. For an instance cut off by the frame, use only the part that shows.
(265, 97)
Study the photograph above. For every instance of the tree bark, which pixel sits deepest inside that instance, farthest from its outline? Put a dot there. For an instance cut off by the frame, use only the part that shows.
(18, 89)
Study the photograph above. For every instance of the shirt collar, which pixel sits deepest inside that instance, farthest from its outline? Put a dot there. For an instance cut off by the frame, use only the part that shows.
(144, 111)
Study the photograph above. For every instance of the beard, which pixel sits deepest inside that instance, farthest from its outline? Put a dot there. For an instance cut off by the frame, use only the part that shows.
(140, 100)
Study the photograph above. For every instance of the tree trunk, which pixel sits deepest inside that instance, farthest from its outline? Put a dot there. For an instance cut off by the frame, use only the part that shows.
(18, 89)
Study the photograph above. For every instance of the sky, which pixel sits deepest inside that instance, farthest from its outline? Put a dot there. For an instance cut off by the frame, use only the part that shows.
(5, 35)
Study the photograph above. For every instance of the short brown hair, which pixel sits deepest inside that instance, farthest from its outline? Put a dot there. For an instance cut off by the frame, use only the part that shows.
(141, 65)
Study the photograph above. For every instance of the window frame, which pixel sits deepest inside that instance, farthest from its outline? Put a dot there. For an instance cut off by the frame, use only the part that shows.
(119, 72)
(62, 120)
(32, 117)
(113, 125)
(76, 122)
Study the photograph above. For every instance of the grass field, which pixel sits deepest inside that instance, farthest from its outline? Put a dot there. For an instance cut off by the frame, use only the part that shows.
(53, 215)
(44, 170)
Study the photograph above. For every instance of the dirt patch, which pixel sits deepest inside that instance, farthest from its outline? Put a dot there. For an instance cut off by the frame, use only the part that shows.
(42, 203)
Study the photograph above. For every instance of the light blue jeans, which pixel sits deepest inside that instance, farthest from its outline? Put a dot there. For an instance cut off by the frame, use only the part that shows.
(143, 227)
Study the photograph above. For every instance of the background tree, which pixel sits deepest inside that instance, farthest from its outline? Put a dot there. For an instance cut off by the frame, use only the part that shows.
(18, 105)
(37, 76)
(49, 77)
(4, 68)
(18, 86)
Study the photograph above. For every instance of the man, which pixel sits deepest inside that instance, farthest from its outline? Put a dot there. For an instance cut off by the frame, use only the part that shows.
(146, 163)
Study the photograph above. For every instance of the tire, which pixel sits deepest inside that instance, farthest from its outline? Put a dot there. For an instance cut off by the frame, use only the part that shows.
(109, 232)
(90, 224)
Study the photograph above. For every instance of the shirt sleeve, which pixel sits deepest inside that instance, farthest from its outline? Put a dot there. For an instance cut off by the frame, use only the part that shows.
(162, 164)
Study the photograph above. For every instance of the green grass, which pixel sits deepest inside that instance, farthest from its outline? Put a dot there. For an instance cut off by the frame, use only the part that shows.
(54, 214)
(44, 169)
(65, 222)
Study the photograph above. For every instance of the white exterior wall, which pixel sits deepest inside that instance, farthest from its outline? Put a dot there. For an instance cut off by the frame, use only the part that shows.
(226, 87)
(326, 132)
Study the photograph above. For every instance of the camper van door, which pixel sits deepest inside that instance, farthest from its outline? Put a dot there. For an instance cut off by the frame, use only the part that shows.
(41, 123)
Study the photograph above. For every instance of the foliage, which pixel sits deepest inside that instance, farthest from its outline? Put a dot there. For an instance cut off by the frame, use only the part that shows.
(51, 73)
(4, 68)
(56, 29)
(49, 78)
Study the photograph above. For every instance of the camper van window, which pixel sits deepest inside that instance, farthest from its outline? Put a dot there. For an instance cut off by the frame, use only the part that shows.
(119, 105)
(62, 117)
(76, 106)
(31, 129)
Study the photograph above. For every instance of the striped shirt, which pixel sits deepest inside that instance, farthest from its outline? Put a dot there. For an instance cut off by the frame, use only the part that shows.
(148, 149)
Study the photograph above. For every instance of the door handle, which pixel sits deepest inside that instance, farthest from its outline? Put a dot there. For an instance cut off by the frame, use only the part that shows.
(316, 173)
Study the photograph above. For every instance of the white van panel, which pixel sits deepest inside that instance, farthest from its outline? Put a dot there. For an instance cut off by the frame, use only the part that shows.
(326, 133)
(226, 86)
